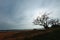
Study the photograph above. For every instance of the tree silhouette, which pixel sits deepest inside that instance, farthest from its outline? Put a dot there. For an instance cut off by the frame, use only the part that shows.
(54, 22)
(45, 20)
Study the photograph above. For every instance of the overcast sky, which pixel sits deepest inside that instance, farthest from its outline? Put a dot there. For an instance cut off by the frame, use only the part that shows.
(19, 14)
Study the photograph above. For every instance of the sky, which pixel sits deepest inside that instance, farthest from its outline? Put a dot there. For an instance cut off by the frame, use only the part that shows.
(19, 14)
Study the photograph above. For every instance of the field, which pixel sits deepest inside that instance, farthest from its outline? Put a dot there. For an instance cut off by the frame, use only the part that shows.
(48, 34)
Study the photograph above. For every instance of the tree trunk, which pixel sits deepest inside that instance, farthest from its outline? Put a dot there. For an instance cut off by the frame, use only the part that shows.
(46, 26)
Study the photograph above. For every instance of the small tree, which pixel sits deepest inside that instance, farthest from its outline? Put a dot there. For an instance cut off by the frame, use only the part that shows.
(44, 21)
(54, 22)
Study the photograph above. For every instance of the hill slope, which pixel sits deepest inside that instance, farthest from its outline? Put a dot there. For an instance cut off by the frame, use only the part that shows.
(52, 35)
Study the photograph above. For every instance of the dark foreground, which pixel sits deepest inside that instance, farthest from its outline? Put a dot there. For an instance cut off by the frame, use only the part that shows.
(48, 34)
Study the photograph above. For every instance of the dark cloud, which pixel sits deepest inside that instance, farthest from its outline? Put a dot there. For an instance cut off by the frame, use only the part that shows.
(18, 14)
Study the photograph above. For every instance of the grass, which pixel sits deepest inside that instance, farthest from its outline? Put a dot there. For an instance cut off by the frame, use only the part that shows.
(48, 34)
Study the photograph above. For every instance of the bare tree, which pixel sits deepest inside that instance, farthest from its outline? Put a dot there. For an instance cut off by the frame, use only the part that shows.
(44, 21)
(54, 22)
